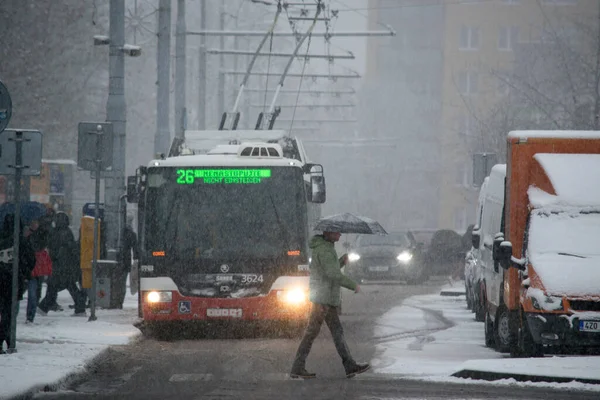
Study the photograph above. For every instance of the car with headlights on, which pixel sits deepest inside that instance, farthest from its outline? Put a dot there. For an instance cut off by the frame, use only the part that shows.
(396, 256)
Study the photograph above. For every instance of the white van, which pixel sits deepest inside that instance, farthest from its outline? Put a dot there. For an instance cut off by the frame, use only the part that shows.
(472, 275)
(487, 288)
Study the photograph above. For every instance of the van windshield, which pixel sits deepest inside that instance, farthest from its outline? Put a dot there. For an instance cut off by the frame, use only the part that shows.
(569, 234)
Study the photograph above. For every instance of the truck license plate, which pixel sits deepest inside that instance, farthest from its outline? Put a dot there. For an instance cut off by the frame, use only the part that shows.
(589, 326)
(224, 312)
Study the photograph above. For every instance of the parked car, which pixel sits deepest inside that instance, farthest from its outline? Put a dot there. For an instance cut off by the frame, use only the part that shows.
(395, 256)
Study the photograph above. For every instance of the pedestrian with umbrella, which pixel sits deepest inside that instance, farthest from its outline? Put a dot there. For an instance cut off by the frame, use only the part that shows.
(326, 281)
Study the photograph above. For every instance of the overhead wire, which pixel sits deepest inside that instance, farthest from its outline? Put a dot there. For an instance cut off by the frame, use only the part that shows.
(319, 4)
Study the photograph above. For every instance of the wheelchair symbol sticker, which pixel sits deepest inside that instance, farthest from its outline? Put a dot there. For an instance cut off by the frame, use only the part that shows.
(185, 307)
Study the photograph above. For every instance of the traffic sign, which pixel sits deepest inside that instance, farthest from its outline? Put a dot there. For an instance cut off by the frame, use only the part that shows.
(31, 152)
(5, 107)
(95, 142)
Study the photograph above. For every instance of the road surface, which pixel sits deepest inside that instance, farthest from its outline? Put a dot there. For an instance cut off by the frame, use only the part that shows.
(221, 365)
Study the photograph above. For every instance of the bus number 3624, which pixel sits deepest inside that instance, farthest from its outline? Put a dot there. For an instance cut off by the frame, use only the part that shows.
(252, 278)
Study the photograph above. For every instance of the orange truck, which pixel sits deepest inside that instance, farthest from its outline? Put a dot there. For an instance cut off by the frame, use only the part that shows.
(549, 244)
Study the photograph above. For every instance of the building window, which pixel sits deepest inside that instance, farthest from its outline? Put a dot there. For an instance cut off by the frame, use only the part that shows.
(460, 219)
(469, 38)
(465, 125)
(462, 175)
(507, 37)
(468, 82)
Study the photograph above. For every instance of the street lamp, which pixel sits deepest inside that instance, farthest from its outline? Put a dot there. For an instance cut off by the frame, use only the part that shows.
(116, 114)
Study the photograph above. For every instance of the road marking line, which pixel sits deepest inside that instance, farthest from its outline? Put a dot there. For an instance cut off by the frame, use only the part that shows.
(191, 377)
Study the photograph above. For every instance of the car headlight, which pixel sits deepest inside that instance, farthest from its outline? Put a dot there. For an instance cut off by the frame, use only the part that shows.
(293, 297)
(160, 297)
(405, 256)
(353, 257)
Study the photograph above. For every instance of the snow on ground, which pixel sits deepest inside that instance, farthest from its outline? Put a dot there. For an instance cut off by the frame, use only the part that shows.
(59, 345)
(431, 337)
(428, 337)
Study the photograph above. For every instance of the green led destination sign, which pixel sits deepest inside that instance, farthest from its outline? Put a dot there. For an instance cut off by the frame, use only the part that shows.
(227, 176)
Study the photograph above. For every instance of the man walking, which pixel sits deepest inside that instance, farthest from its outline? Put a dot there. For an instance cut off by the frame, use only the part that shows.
(128, 246)
(66, 273)
(326, 281)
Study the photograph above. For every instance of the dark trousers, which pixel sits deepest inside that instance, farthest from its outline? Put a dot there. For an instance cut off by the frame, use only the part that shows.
(119, 287)
(55, 286)
(5, 316)
(34, 293)
(318, 314)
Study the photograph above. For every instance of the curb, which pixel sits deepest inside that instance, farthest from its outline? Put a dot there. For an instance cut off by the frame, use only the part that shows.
(493, 376)
(72, 378)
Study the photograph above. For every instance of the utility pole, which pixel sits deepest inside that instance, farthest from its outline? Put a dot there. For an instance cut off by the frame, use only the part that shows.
(180, 77)
(202, 71)
(597, 83)
(163, 73)
(116, 114)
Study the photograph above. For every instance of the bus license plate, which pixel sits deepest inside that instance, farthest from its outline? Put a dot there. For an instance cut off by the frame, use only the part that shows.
(589, 326)
(378, 269)
(224, 312)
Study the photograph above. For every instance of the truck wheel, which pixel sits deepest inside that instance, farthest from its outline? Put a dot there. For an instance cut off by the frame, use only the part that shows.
(505, 339)
(527, 347)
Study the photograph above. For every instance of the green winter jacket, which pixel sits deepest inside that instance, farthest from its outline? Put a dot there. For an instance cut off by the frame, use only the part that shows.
(325, 275)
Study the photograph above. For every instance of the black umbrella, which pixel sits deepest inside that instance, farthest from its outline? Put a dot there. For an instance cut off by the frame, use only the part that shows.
(348, 223)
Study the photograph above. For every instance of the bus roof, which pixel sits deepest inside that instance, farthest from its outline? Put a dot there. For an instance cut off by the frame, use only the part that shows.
(220, 160)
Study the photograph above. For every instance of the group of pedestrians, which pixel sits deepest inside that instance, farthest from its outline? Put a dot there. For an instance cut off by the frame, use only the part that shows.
(47, 252)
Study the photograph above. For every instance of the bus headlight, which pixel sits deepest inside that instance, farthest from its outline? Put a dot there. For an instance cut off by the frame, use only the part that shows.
(292, 297)
(160, 297)
(405, 257)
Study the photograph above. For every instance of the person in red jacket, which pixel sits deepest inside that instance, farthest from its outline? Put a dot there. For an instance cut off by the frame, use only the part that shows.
(38, 238)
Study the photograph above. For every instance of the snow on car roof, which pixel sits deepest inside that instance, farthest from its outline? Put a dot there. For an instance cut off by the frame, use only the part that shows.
(574, 178)
(555, 134)
(204, 160)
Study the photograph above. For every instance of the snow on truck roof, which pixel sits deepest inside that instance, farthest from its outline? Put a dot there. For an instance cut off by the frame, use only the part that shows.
(555, 134)
(574, 177)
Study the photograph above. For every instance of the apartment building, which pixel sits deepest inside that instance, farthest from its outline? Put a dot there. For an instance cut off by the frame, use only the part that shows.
(479, 42)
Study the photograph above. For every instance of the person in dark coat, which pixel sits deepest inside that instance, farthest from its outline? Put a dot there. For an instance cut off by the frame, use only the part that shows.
(128, 248)
(38, 236)
(26, 264)
(66, 273)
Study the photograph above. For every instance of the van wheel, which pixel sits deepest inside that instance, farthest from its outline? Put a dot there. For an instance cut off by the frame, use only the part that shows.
(479, 305)
(489, 331)
(469, 296)
(504, 338)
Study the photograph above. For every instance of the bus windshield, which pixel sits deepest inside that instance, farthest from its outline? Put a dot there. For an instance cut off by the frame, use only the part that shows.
(225, 213)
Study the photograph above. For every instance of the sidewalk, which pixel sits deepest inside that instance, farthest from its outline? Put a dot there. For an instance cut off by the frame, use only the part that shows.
(435, 338)
(59, 345)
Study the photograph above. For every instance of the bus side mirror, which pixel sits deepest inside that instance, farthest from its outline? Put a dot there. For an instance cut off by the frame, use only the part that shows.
(318, 191)
(476, 237)
(317, 182)
(132, 190)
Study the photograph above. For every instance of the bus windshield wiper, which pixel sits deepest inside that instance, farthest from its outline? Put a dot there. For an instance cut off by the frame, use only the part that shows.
(571, 255)
(280, 223)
